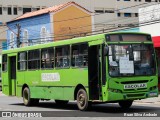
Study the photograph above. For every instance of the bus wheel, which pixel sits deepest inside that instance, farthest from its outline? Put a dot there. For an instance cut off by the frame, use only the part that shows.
(82, 100)
(126, 104)
(35, 101)
(26, 97)
(61, 102)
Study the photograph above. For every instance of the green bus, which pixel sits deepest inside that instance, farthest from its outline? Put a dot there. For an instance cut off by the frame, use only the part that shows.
(117, 67)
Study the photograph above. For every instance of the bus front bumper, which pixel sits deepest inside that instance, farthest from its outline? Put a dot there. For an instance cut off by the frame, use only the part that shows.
(113, 96)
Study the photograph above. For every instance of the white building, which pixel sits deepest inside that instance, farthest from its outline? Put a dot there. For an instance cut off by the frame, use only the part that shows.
(108, 13)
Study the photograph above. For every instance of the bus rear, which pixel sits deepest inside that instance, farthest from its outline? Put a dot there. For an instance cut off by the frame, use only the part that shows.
(131, 64)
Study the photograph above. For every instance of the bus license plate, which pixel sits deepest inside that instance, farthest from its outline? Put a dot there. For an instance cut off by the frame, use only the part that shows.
(152, 94)
(134, 86)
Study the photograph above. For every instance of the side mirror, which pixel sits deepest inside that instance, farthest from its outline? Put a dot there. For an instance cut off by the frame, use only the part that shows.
(106, 50)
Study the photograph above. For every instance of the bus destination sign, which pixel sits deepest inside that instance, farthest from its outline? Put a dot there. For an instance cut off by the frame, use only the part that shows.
(50, 77)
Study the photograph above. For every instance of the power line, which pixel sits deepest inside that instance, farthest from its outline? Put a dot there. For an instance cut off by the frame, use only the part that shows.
(62, 35)
(105, 13)
(113, 29)
(85, 25)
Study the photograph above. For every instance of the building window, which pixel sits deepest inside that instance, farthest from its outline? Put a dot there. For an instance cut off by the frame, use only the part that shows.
(62, 56)
(11, 41)
(119, 14)
(22, 61)
(43, 7)
(127, 14)
(25, 10)
(4, 63)
(38, 8)
(109, 11)
(0, 10)
(136, 14)
(25, 38)
(43, 35)
(9, 10)
(147, 0)
(127, 0)
(15, 10)
(34, 59)
(47, 58)
(79, 55)
(99, 11)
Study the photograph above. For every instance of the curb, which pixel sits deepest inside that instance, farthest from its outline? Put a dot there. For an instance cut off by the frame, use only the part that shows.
(150, 101)
(156, 103)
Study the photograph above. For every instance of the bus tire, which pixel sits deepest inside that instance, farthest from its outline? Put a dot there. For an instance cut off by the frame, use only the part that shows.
(82, 100)
(61, 102)
(126, 104)
(26, 97)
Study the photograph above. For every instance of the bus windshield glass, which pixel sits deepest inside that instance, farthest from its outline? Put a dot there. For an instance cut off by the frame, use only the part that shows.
(131, 60)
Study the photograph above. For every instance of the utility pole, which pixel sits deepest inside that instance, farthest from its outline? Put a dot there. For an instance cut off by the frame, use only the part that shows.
(18, 35)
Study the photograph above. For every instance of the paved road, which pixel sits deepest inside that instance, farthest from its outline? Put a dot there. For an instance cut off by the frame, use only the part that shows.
(49, 108)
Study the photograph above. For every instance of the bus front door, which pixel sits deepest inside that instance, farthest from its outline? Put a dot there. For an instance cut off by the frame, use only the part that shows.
(13, 75)
(94, 72)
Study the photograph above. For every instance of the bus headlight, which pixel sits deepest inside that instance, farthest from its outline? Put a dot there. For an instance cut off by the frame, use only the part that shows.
(153, 88)
(114, 90)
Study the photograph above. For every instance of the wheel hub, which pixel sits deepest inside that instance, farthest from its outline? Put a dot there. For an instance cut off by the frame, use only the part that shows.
(81, 99)
(25, 96)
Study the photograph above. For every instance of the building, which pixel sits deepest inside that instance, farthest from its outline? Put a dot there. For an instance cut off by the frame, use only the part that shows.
(108, 13)
(49, 24)
(149, 19)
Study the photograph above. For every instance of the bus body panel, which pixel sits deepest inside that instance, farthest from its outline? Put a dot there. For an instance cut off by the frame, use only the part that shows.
(65, 87)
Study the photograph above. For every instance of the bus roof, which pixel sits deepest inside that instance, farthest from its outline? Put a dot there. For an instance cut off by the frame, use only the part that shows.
(97, 37)
(57, 43)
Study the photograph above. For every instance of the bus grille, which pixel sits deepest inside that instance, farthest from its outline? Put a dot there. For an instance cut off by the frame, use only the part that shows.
(135, 95)
(135, 90)
(134, 82)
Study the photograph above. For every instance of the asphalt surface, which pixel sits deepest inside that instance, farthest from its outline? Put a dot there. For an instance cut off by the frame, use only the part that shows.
(50, 109)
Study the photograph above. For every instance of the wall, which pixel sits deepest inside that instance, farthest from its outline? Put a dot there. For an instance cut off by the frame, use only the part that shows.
(71, 27)
(33, 4)
(33, 25)
(150, 15)
(2, 36)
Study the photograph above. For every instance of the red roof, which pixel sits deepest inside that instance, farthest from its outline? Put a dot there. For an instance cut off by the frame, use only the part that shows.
(48, 10)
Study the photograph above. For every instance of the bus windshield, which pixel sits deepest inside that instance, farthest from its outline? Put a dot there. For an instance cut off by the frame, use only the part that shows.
(133, 59)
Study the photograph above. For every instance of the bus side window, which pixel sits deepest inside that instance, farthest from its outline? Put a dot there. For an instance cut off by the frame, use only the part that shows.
(47, 58)
(79, 55)
(4, 63)
(34, 59)
(22, 61)
(62, 57)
